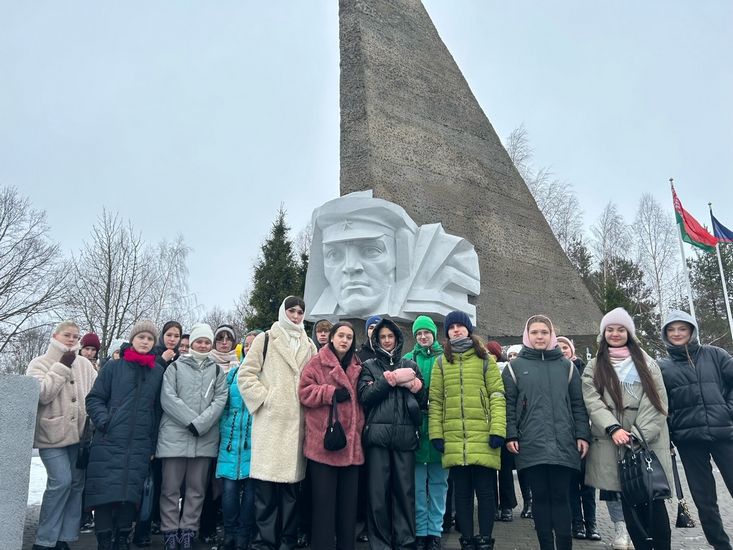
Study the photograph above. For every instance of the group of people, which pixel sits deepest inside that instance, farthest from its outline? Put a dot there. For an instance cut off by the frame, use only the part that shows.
(376, 427)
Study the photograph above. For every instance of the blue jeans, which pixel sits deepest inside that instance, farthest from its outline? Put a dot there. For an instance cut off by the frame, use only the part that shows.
(238, 507)
(431, 488)
(61, 506)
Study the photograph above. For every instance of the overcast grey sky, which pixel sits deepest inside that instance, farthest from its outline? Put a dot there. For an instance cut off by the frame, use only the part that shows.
(202, 117)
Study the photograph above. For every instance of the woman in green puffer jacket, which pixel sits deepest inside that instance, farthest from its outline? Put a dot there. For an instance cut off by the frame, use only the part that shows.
(468, 425)
(431, 479)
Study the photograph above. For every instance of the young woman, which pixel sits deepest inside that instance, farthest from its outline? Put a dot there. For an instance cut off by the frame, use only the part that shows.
(124, 405)
(431, 479)
(699, 382)
(193, 396)
(65, 380)
(235, 449)
(391, 390)
(268, 381)
(547, 428)
(330, 378)
(624, 393)
(223, 354)
(166, 347)
(468, 425)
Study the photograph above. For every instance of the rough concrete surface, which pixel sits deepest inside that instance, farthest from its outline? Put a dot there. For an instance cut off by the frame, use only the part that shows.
(412, 130)
(17, 424)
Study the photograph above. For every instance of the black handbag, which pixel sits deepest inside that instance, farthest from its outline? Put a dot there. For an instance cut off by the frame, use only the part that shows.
(146, 502)
(85, 445)
(641, 474)
(684, 517)
(334, 439)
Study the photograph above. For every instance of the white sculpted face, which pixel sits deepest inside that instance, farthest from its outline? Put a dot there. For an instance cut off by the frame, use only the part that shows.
(360, 272)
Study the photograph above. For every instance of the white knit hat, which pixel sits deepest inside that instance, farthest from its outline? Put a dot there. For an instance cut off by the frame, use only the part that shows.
(201, 330)
(618, 316)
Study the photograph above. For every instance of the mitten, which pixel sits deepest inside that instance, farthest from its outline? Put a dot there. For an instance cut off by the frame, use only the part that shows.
(439, 445)
(403, 375)
(68, 358)
(193, 430)
(495, 441)
(389, 376)
(341, 394)
(415, 386)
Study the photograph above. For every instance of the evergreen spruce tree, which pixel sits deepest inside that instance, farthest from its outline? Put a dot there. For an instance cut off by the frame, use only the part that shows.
(276, 276)
(707, 291)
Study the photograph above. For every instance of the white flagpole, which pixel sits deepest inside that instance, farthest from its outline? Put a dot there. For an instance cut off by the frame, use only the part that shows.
(722, 278)
(684, 266)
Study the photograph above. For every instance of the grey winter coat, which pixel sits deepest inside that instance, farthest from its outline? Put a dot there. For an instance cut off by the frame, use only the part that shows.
(544, 409)
(699, 382)
(639, 415)
(193, 393)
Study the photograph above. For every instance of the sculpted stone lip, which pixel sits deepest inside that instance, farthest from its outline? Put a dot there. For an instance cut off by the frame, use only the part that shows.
(354, 284)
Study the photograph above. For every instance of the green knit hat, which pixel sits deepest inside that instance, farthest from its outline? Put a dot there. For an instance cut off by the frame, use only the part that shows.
(423, 322)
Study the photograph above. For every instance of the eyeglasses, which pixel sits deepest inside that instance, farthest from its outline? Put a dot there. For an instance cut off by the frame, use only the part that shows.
(224, 337)
(296, 311)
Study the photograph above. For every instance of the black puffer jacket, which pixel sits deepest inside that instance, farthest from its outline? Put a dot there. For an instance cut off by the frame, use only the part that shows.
(393, 416)
(699, 382)
(365, 352)
(124, 405)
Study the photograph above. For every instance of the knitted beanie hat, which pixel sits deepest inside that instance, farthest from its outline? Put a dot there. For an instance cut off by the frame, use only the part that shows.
(115, 346)
(90, 339)
(618, 316)
(373, 320)
(225, 328)
(201, 330)
(423, 322)
(515, 348)
(458, 317)
(569, 343)
(143, 326)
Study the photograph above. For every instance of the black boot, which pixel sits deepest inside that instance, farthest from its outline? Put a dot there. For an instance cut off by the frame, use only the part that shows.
(104, 540)
(122, 539)
(527, 509)
(420, 543)
(483, 543)
(170, 540)
(467, 544)
(578, 530)
(507, 515)
(230, 542)
(591, 532)
(546, 540)
(433, 543)
(563, 542)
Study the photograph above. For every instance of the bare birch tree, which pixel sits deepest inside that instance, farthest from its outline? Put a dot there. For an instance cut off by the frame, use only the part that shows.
(555, 198)
(658, 253)
(31, 269)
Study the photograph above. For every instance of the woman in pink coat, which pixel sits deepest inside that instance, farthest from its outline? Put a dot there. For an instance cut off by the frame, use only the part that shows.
(330, 379)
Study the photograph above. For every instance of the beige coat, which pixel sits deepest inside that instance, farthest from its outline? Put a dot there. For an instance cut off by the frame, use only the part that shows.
(61, 405)
(270, 392)
(638, 414)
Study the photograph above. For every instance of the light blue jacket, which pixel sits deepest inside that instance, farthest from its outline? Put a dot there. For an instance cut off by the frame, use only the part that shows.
(235, 430)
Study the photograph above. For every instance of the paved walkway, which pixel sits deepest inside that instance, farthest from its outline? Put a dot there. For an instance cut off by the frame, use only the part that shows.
(517, 535)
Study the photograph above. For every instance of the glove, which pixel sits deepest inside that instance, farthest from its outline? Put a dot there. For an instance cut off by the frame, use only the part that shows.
(439, 445)
(414, 386)
(404, 375)
(193, 430)
(341, 395)
(495, 441)
(389, 376)
(68, 358)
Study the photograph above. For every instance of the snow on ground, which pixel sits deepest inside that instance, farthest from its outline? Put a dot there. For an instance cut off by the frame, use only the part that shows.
(37, 483)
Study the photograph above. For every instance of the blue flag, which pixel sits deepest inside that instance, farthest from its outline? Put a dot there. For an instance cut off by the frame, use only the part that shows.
(722, 233)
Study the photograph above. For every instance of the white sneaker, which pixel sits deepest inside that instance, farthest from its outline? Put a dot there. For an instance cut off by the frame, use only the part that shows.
(621, 540)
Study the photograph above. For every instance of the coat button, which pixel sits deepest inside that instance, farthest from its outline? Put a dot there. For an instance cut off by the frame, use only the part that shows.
(71, 381)
(73, 399)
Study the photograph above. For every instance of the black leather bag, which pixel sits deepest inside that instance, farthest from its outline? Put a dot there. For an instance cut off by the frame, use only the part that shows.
(334, 439)
(642, 476)
(146, 502)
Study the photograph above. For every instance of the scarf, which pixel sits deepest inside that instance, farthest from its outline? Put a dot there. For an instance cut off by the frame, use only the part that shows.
(225, 359)
(198, 356)
(625, 369)
(145, 359)
(293, 331)
(459, 345)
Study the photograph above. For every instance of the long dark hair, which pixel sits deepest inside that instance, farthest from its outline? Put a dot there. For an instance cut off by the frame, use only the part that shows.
(605, 378)
(346, 359)
(478, 347)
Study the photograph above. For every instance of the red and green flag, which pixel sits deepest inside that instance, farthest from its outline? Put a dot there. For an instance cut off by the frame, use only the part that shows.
(690, 229)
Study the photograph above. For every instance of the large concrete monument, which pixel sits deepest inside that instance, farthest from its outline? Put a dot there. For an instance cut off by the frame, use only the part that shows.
(412, 131)
(18, 408)
(369, 257)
